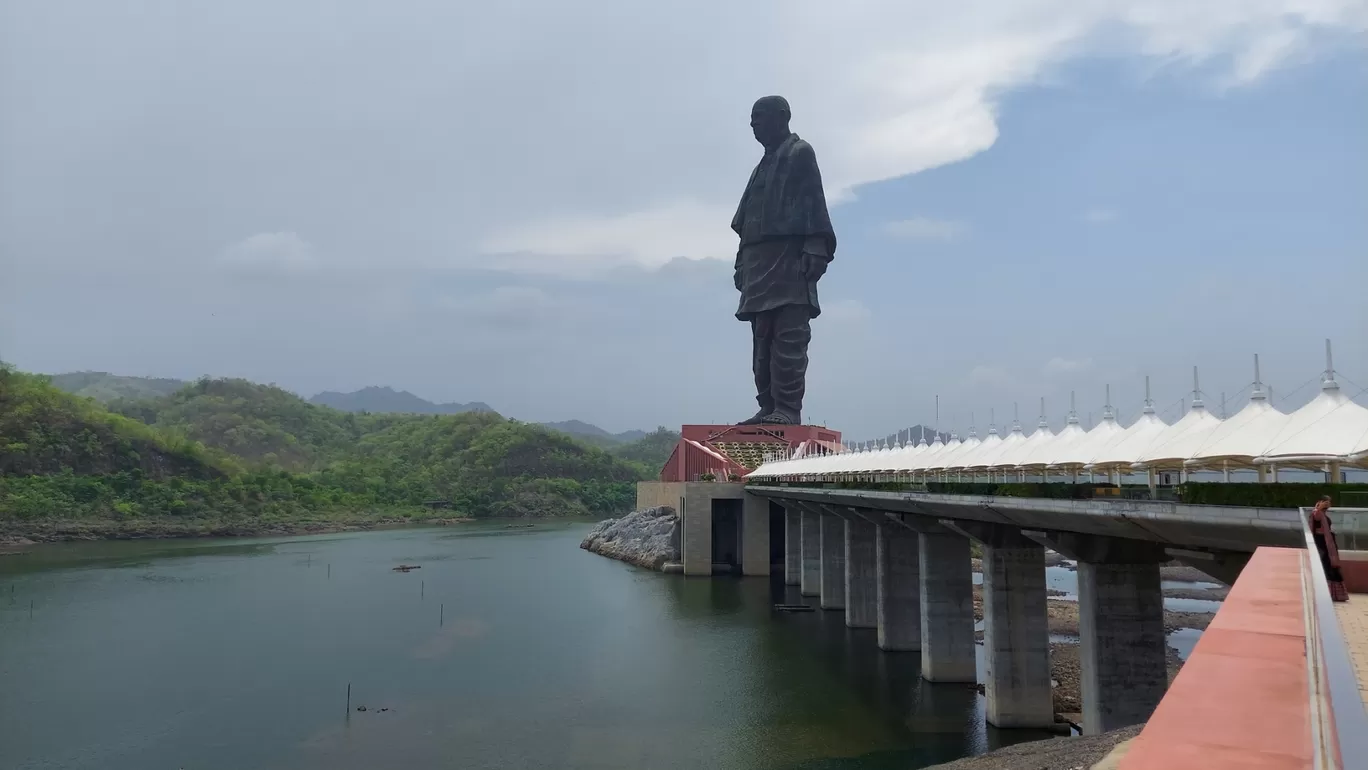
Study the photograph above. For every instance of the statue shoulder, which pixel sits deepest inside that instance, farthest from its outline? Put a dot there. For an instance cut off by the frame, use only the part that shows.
(800, 147)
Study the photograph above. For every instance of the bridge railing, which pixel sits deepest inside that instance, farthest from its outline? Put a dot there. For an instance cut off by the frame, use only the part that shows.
(1339, 721)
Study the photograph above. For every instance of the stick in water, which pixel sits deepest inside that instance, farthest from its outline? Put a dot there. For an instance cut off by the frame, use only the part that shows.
(441, 616)
(422, 588)
(348, 698)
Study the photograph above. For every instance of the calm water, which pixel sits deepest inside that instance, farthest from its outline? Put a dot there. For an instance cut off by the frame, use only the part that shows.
(508, 649)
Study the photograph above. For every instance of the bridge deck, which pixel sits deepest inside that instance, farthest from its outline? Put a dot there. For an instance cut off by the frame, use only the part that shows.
(1353, 617)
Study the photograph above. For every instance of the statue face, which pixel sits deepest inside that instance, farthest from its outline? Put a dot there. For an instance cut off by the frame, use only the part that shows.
(768, 124)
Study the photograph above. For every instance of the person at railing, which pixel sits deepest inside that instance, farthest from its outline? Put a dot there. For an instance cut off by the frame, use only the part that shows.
(1324, 535)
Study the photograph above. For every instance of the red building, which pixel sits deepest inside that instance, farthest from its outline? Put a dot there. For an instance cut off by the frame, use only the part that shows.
(735, 450)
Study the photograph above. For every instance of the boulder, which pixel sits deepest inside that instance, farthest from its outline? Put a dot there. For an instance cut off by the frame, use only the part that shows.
(649, 538)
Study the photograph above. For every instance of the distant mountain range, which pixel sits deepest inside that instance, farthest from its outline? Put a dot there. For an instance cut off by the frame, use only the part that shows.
(594, 433)
(105, 387)
(384, 399)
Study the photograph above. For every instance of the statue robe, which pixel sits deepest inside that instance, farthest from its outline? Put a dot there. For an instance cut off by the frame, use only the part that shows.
(782, 214)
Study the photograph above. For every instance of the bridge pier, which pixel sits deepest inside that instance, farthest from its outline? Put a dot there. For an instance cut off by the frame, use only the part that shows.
(810, 532)
(947, 606)
(1016, 636)
(833, 562)
(861, 578)
(899, 588)
(793, 545)
(1121, 619)
(755, 535)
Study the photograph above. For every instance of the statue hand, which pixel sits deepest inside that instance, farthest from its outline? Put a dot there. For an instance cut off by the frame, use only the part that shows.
(736, 279)
(813, 267)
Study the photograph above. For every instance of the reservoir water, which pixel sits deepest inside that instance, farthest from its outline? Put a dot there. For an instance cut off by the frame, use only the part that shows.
(509, 648)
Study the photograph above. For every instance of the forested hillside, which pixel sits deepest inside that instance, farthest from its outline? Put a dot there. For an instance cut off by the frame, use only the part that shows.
(242, 451)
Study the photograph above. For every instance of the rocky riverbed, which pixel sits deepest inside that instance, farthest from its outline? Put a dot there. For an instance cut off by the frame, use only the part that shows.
(650, 538)
(1077, 753)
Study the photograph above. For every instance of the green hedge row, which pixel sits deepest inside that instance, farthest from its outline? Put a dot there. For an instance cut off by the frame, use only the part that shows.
(1248, 495)
(1273, 495)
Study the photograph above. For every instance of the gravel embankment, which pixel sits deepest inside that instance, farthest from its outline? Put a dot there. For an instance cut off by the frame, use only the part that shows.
(1075, 753)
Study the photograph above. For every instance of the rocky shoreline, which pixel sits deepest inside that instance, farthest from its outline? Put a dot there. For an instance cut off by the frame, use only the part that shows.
(1074, 753)
(649, 538)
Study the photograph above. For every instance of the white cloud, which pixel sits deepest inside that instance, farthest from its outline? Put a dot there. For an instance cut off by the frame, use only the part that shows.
(490, 134)
(270, 253)
(846, 311)
(1058, 366)
(652, 237)
(899, 88)
(1098, 215)
(926, 228)
(984, 374)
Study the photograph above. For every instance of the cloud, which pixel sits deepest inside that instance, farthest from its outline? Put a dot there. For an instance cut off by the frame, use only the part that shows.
(846, 311)
(387, 123)
(926, 228)
(1057, 366)
(1098, 215)
(270, 253)
(995, 376)
(506, 307)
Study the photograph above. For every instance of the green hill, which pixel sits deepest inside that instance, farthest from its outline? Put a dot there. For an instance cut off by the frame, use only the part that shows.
(238, 457)
(379, 400)
(105, 387)
(263, 425)
(650, 451)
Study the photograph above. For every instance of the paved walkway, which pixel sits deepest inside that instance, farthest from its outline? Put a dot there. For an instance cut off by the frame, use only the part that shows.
(1353, 618)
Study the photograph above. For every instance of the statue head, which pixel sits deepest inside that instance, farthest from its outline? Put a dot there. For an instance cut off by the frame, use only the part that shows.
(770, 120)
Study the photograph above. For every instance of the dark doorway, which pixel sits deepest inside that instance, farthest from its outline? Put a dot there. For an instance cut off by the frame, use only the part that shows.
(777, 534)
(726, 532)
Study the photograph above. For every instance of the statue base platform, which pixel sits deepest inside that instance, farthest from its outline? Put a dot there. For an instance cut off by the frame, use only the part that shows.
(729, 452)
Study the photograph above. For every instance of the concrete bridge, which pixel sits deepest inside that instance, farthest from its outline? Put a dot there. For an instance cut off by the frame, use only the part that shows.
(899, 561)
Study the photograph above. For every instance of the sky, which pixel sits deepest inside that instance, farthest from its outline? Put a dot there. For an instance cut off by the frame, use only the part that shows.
(528, 204)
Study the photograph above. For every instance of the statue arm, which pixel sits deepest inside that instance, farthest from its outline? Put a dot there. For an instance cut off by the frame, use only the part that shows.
(821, 240)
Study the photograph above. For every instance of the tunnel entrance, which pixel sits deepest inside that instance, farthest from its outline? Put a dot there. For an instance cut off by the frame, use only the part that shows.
(776, 537)
(726, 533)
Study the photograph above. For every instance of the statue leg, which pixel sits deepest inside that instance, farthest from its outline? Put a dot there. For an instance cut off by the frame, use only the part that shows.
(762, 332)
(788, 360)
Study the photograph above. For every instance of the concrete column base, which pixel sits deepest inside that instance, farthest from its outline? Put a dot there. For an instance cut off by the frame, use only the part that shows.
(810, 581)
(1123, 650)
(833, 562)
(1016, 637)
(755, 535)
(793, 547)
(947, 609)
(899, 588)
(862, 575)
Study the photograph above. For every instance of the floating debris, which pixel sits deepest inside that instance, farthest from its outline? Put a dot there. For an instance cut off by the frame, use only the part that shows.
(407, 567)
(794, 608)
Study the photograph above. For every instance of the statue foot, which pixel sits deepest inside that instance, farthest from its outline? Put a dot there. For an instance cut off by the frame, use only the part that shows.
(778, 418)
(758, 418)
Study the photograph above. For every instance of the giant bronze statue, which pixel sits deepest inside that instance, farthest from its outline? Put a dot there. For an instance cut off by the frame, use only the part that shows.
(786, 244)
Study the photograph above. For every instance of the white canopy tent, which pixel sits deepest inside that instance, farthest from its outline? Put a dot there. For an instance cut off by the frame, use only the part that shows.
(988, 457)
(1174, 445)
(1329, 429)
(1041, 458)
(1074, 456)
(1040, 437)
